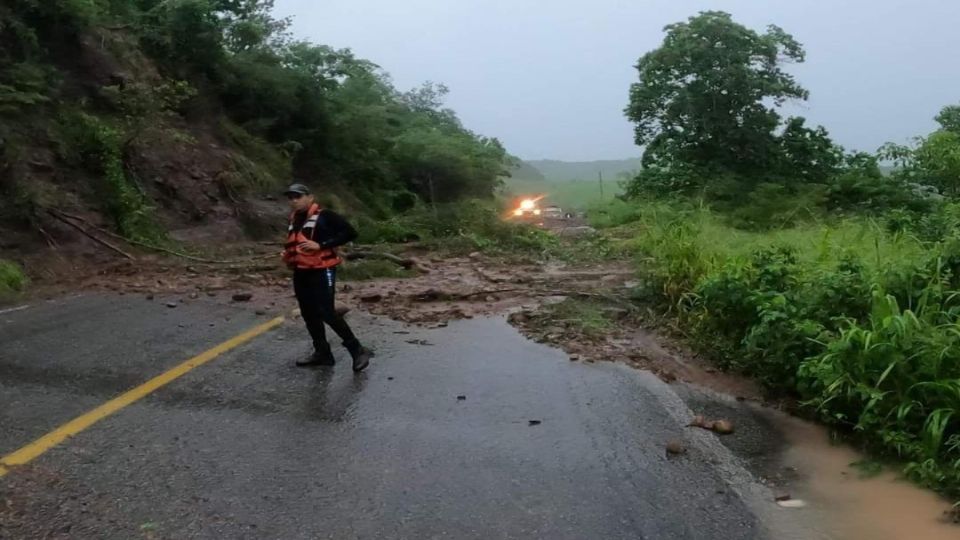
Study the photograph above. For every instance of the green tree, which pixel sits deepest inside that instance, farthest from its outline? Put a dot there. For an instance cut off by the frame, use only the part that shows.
(933, 160)
(707, 99)
(949, 118)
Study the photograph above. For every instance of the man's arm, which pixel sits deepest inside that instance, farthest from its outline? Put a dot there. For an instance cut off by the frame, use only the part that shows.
(335, 232)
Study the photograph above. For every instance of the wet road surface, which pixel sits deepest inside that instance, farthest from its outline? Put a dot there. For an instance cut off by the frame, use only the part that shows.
(249, 446)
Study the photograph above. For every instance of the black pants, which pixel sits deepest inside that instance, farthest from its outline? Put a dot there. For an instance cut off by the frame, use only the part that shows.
(315, 293)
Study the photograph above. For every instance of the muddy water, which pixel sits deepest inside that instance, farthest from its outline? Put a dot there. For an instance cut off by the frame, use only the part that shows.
(850, 507)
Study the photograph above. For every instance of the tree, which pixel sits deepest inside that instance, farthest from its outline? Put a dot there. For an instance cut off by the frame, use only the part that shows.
(708, 97)
(933, 160)
(949, 118)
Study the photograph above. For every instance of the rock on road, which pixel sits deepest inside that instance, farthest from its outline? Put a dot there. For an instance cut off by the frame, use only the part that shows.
(434, 441)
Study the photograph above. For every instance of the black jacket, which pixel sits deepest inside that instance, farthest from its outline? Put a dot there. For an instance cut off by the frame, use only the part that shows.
(332, 230)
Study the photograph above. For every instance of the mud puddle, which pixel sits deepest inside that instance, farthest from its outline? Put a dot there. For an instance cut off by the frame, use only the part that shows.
(797, 459)
(882, 507)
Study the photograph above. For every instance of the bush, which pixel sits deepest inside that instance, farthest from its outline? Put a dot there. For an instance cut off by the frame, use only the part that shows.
(895, 379)
(816, 313)
(93, 143)
(612, 213)
(12, 278)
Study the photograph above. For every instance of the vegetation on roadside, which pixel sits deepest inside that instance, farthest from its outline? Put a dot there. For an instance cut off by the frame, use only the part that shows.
(790, 259)
(12, 279)
(860, 323)
(173, 76)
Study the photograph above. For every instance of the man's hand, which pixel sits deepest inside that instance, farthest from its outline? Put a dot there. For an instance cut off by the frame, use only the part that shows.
(309, 245)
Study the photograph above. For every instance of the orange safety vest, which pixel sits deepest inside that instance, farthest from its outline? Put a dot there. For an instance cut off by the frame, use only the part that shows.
(322, 258)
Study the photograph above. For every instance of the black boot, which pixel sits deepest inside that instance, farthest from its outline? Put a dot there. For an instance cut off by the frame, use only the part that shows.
(361, 356)
(321, 357)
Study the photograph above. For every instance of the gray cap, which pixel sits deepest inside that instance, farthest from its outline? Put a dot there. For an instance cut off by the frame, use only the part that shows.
(299, 189)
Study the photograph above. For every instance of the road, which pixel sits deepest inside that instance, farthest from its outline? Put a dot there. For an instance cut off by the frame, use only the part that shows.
(434, 441)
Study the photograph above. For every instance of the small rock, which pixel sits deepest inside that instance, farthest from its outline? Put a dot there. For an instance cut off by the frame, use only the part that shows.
(389, 378)
(574, 357)
(534, 422)
(172, 304)
(461, 398)
(792, 503)
(260, 312)
(211, 294)
(194, 295)
(723, 427)
(781, 498)
(491, 298)
(676, 448)
(242, 297)
(149, 297)
(346, 288)
(475, 255)
(371, 298)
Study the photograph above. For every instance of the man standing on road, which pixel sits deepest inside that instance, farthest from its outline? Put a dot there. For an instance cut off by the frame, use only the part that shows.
(313, 236)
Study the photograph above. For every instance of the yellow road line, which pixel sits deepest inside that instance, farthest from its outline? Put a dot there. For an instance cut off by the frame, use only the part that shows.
(33, 450)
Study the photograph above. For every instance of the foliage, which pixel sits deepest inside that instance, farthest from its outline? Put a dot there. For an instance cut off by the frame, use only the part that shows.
(292, 108)
(12, 278)
(860, 322)
(588, 318)
(707, 97)
(94, 144)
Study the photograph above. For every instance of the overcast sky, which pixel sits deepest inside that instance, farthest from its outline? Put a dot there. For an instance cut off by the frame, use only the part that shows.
(549, 78)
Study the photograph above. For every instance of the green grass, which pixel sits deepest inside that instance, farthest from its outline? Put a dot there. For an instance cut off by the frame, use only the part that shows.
(585, 317)
(12, 278)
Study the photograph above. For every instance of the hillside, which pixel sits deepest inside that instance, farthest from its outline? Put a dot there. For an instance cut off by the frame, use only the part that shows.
(560, 171)
(167, 123)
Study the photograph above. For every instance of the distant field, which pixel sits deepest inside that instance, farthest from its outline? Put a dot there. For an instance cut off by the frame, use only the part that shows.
(573, 195)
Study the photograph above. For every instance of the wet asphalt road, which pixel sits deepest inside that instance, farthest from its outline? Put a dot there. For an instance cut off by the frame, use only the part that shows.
(248, 446)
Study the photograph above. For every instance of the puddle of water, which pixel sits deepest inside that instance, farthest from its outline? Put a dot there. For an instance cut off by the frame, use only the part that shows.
(883, 507)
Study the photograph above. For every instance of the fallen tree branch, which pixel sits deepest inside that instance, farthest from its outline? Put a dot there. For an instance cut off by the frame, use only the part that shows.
(93, 237)
(480, 293)
(59, 214)
(607, 297)
(400, 261)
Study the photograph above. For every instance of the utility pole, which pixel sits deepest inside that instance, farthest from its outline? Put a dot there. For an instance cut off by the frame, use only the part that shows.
(600, 177)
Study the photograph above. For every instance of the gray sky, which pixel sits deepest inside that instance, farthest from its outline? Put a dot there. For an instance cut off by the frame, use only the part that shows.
(550, 78)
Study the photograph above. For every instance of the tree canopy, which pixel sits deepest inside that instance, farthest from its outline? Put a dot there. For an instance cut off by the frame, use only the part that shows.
(707, 100)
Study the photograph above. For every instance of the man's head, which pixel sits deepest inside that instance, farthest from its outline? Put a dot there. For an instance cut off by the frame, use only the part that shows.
(299, 196)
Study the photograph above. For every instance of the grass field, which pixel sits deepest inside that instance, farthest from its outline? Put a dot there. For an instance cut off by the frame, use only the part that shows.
(574, 195)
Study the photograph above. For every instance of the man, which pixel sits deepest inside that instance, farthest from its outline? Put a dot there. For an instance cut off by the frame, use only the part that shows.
(313, 236)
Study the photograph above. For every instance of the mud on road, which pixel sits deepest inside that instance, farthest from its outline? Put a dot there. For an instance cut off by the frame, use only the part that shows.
(527, 292)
